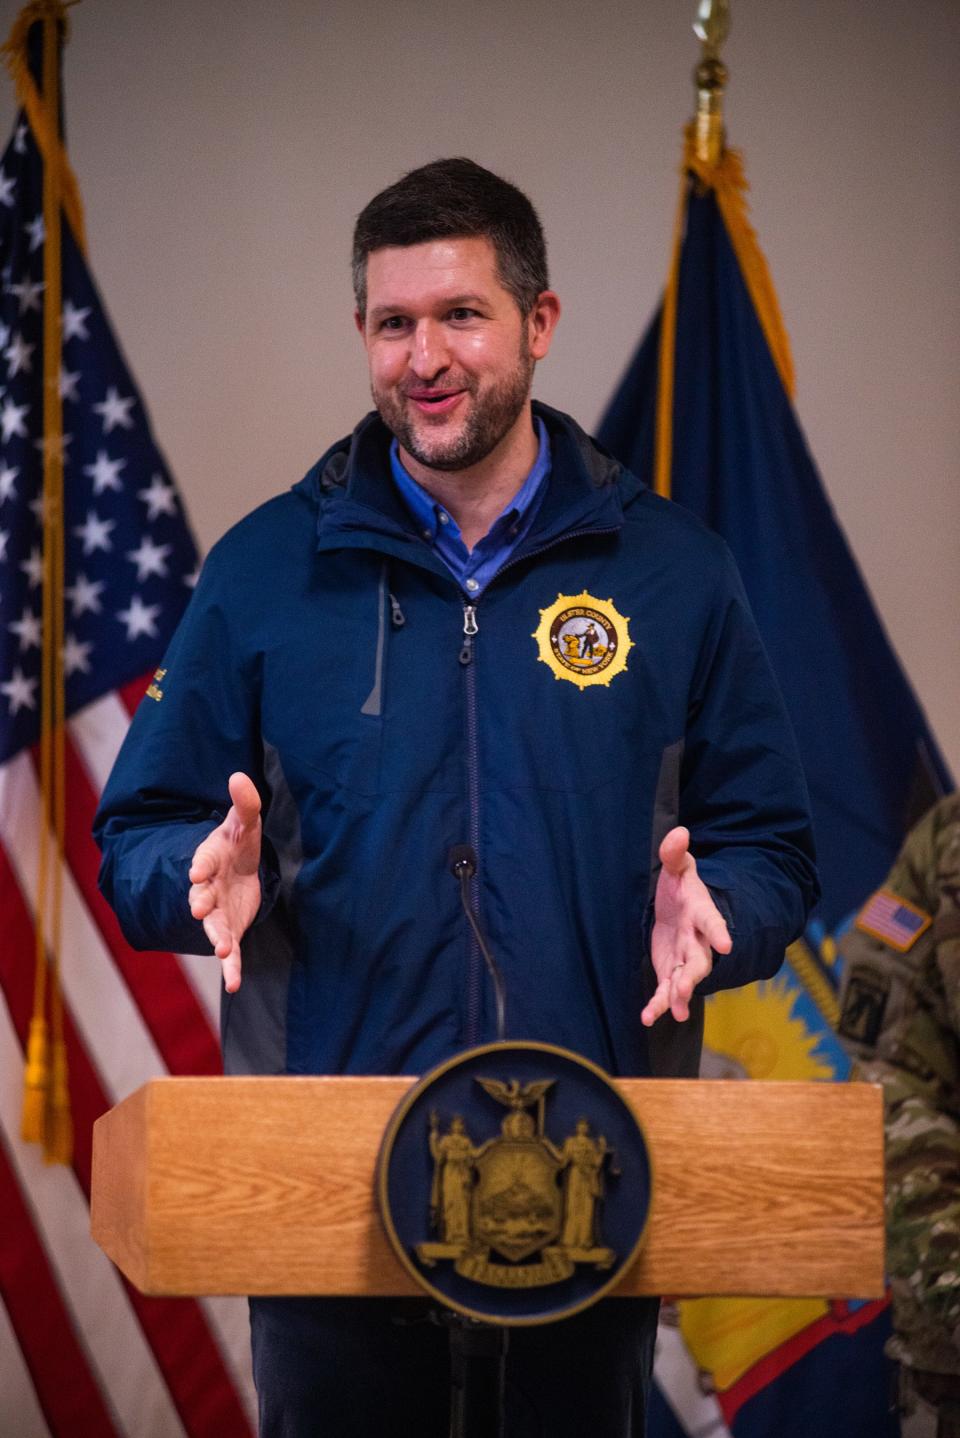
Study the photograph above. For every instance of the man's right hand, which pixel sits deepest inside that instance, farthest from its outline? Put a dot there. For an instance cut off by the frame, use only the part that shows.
(225, 879)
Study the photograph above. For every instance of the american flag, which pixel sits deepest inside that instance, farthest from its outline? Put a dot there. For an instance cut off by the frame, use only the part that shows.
(886, 916)
(81, 1352)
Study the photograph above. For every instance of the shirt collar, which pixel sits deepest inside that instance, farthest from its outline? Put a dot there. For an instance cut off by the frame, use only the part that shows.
(426, 511)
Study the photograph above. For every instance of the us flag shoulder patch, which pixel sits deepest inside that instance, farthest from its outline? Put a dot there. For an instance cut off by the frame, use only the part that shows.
(895, 921)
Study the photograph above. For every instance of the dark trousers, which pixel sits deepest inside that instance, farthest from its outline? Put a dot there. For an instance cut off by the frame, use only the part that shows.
(929, 1404)
(380, 1368)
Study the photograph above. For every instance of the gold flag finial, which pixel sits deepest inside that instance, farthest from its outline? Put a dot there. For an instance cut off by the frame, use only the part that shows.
(712, 26)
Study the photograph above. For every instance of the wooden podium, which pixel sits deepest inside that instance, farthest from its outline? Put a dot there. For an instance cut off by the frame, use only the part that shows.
(266, 1186)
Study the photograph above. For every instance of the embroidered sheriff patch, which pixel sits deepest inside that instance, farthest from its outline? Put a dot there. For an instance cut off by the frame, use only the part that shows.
(584, 640)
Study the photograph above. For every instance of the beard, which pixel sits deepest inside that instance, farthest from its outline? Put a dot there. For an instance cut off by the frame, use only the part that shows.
(492, 413)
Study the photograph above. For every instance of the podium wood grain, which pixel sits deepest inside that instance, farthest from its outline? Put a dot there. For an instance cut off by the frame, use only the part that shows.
(265, 1185)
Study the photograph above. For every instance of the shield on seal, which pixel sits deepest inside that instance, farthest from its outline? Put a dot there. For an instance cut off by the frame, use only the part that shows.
(516, 1202)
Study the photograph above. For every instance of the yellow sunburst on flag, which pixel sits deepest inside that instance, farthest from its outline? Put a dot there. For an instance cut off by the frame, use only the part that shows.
(759, 1032)
(755, 1033)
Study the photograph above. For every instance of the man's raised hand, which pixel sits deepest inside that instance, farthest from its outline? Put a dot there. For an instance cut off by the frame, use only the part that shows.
(225, 880)
(688, 928)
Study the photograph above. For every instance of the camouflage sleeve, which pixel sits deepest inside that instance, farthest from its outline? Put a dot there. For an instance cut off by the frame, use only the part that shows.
(946, 923)
(923, 1219)
(900, 1019)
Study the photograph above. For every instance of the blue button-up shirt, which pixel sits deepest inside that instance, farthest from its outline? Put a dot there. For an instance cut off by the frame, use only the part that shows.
(473, 569)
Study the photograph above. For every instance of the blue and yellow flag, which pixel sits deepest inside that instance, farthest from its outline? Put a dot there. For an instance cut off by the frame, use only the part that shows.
(704, 413)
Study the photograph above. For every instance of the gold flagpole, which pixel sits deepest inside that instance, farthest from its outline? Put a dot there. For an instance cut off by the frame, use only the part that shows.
(706, 139)
(710, 165)
(712, 26)
(46, 1107)
(58, 1133)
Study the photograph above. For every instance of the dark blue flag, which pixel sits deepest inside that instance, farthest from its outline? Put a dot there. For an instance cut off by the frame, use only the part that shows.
(740, 461)
(730, 448)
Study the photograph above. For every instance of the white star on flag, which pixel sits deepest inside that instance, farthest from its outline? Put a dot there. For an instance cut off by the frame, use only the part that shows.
(37, 232)
(94, 533)
(68, 384)
(105, 472)
(7, 476)
(74, 322)
(20, 138)
(115, 411)
(85, 594)
(27, 629)
(139, 618)
(4, 540)
(7, 187)
(149, 558)
(33, 567)
(159, 498)
(38, 508)
(19, 691)
(18, 354)
(12, 418)
(28, 294)
(190, 580)
(76, 655)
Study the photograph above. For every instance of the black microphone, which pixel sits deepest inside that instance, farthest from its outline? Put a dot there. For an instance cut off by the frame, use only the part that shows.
(462, 862)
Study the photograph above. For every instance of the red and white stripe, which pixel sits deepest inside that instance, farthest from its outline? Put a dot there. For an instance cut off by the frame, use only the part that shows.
(81, 1352)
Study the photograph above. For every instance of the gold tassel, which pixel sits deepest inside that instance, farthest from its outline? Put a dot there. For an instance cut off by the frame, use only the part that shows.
(58, 1139)
(35, 1084)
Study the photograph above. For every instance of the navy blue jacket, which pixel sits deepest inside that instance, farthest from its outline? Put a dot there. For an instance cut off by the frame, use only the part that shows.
(324, 654)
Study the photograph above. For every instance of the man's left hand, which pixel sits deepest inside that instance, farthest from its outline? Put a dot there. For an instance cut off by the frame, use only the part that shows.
(688, 929)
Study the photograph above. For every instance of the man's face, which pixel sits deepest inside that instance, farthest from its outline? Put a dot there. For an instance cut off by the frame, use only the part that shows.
(451, 357)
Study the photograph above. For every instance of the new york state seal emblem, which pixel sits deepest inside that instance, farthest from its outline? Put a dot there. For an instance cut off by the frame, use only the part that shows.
(514, 1183)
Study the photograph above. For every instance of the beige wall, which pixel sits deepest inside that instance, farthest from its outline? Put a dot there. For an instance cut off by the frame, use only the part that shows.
(224, 149)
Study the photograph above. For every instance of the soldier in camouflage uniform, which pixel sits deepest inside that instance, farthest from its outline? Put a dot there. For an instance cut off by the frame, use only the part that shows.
(900, 1015)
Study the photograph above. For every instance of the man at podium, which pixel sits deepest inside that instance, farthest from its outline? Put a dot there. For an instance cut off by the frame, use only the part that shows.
(467, 628)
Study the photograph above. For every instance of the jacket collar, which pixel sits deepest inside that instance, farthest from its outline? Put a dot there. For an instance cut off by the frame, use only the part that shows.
(359, 507)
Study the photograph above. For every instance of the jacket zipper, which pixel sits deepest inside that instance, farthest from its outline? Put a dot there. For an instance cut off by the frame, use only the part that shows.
(373, 704)
(474, 967)
(467, 652)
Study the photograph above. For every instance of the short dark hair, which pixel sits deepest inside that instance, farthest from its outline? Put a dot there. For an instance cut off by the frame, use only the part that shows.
(450, 199)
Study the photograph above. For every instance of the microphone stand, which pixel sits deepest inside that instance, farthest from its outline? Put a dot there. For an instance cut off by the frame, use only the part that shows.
(478, 1354)
(463, 866)
(478, 1351)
